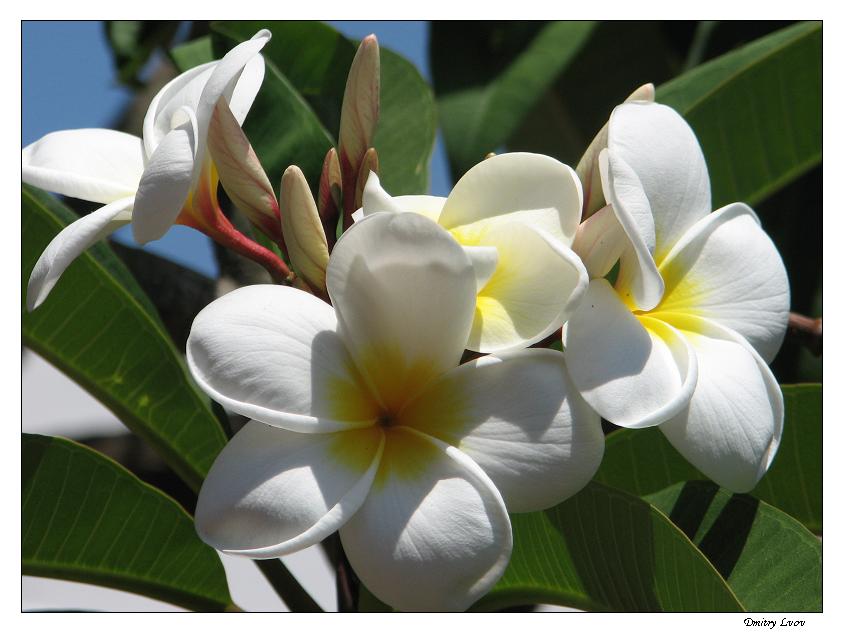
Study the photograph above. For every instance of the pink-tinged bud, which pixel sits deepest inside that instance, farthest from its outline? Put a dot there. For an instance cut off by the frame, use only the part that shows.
(241, 173)
(303, 231)
(368, 164)
(588, 166)
(329, 197)
(203, 213)
(358, 118)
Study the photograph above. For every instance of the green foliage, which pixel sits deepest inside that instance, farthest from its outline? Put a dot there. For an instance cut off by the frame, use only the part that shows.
(133, 42)
(771, 562)
(193, 53)
(485, 88)
(613, 61)
(99, 329)
(641, 461)
(606, 550)
(756, 112)
(296, 117)
(86, 518)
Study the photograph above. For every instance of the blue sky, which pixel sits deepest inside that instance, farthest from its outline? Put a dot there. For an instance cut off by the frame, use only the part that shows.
(68, 81)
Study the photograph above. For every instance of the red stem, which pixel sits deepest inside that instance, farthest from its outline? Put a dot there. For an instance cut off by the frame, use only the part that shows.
(203, 213)
(807, 330)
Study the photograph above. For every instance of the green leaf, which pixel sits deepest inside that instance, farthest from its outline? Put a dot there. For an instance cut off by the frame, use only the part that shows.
(605, 550)
(794, 481)
(407, 124)
(616, 58)
(641, 461)
(485, 89)
(133, 43)
(193, 53)
(772, 563)
(756, 112)
(314, 58)
(98, 327)
(85, 518)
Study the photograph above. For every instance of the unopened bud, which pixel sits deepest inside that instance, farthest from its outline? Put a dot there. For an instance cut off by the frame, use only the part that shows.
(368, 164)
(241, 173)
(489, 155)
(329, 197)
(303, 231)
(358, 117)
(588, 166)
(643, 93)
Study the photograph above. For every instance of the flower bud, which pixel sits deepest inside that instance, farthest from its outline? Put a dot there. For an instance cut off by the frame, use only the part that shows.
(303, 231)
(241, 173)
(588, 166)
(358, 117)
(329, 197)
(368, 164)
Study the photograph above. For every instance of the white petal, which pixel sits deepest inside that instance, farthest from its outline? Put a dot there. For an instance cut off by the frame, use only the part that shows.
(428, 206)
(732, 427)
(600, 242)
(638, 276)
(484, 261)
(223, 79)
(726, 268)
(166, 182)
(521, 419)
(272, 492)
(634, 372)
(404, 292)
(530, 188)
(376, 199)
(433, 534)
(272, 353)
(246, 88)
(588, 166)
(69, 243)
(623, 189)
(97, 165)
(179, 92)
(663, 152)
(536, 285)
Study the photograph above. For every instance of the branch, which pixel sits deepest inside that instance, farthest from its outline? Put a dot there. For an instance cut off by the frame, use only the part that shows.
(286, 586)
(345, 578)
(807, 331)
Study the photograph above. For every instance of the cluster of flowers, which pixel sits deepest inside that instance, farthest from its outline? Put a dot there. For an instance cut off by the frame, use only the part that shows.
(363, 418)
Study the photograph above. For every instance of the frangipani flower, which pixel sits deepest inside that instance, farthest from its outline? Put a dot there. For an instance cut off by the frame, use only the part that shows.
(365, 423)
(588, 168)
(153, 182)
(699, 307)
(516, 215)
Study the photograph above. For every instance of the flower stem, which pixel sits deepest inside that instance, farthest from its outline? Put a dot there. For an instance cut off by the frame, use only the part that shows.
(239, 243)
(286, 586)
(203, 213)
(808, 331)
(346, 580)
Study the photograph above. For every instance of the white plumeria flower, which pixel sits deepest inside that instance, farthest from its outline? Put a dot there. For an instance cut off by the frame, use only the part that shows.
(516, 215)
(365, 423)
(699, 307)
(148, 181)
